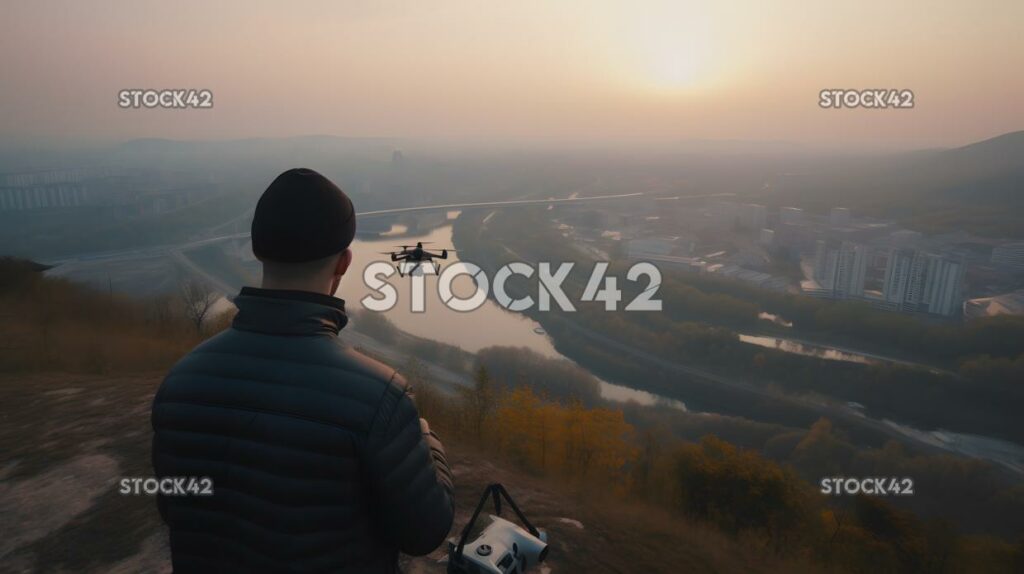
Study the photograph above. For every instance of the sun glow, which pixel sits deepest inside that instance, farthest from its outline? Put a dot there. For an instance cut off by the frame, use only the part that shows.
(675, 66)
(672, 49)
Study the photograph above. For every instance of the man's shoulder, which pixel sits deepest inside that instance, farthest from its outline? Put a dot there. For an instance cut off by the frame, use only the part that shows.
(355, 361)
(329, 355)
(320, 378)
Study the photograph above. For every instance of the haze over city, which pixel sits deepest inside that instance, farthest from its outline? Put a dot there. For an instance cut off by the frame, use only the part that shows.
(644, 264)
(607, 73)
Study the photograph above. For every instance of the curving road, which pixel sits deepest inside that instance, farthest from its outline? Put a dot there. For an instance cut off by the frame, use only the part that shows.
(161, 250)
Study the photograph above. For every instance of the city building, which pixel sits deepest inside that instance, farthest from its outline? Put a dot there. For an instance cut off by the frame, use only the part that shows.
(43, 196)
(840, 270)
(924, 282)
(55, 188)
(767, 237)
(851, 268)
(902, 284)
(943, 286)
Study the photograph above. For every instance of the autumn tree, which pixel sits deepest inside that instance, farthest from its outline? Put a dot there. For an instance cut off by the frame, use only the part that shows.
(479, 402)
(895, 527)
(741, 491)
(198, 300)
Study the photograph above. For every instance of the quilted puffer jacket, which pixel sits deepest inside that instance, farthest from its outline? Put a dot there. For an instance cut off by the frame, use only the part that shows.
(316, 456)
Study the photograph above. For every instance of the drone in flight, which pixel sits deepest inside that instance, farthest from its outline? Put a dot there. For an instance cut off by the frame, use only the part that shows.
(412, 258)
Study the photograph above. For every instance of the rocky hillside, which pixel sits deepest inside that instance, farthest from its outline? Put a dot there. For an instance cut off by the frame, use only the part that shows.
(68, 439)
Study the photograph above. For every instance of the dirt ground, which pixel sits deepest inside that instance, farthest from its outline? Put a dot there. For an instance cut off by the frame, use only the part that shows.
(66, 441)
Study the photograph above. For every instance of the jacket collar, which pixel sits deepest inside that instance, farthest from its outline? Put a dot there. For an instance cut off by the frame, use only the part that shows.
(286, 312)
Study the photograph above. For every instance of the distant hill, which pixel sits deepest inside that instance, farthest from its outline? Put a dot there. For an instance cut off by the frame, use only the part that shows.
(989, 169)
(977, 188)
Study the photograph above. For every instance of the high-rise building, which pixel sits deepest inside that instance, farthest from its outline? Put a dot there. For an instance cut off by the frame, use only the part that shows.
(897, 278)
(943, 291)
(852, 265)
(55, 195)
(824, 263)
(1009, 256)
(791, 216)
(839, 217)
(841, 270)
(916, 281)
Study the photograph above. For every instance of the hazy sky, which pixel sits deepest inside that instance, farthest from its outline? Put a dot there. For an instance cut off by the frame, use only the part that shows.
(629, 71)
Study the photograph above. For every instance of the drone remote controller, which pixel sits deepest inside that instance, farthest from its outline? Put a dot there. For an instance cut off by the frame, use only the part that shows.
(503, 547)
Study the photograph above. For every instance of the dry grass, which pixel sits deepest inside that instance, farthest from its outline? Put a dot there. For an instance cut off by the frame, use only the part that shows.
(54, 325)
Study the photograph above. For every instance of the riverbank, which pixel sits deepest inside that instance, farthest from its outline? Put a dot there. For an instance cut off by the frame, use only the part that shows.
(704, 389)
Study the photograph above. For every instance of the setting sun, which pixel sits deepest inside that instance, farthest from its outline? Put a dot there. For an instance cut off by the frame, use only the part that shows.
(672, 50)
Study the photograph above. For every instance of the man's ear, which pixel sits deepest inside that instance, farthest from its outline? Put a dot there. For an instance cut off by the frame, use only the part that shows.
(344, 260)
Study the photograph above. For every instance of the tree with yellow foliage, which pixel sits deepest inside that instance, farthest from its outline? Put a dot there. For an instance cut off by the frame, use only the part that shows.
(570, 440)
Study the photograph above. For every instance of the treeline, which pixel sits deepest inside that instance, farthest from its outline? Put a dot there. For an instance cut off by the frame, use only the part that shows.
(596, 452)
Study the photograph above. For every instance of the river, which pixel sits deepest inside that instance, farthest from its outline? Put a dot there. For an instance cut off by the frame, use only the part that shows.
(809, 349)
(490, 325)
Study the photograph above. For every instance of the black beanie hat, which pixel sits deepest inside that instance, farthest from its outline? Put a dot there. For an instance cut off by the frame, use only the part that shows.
(302, 216)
